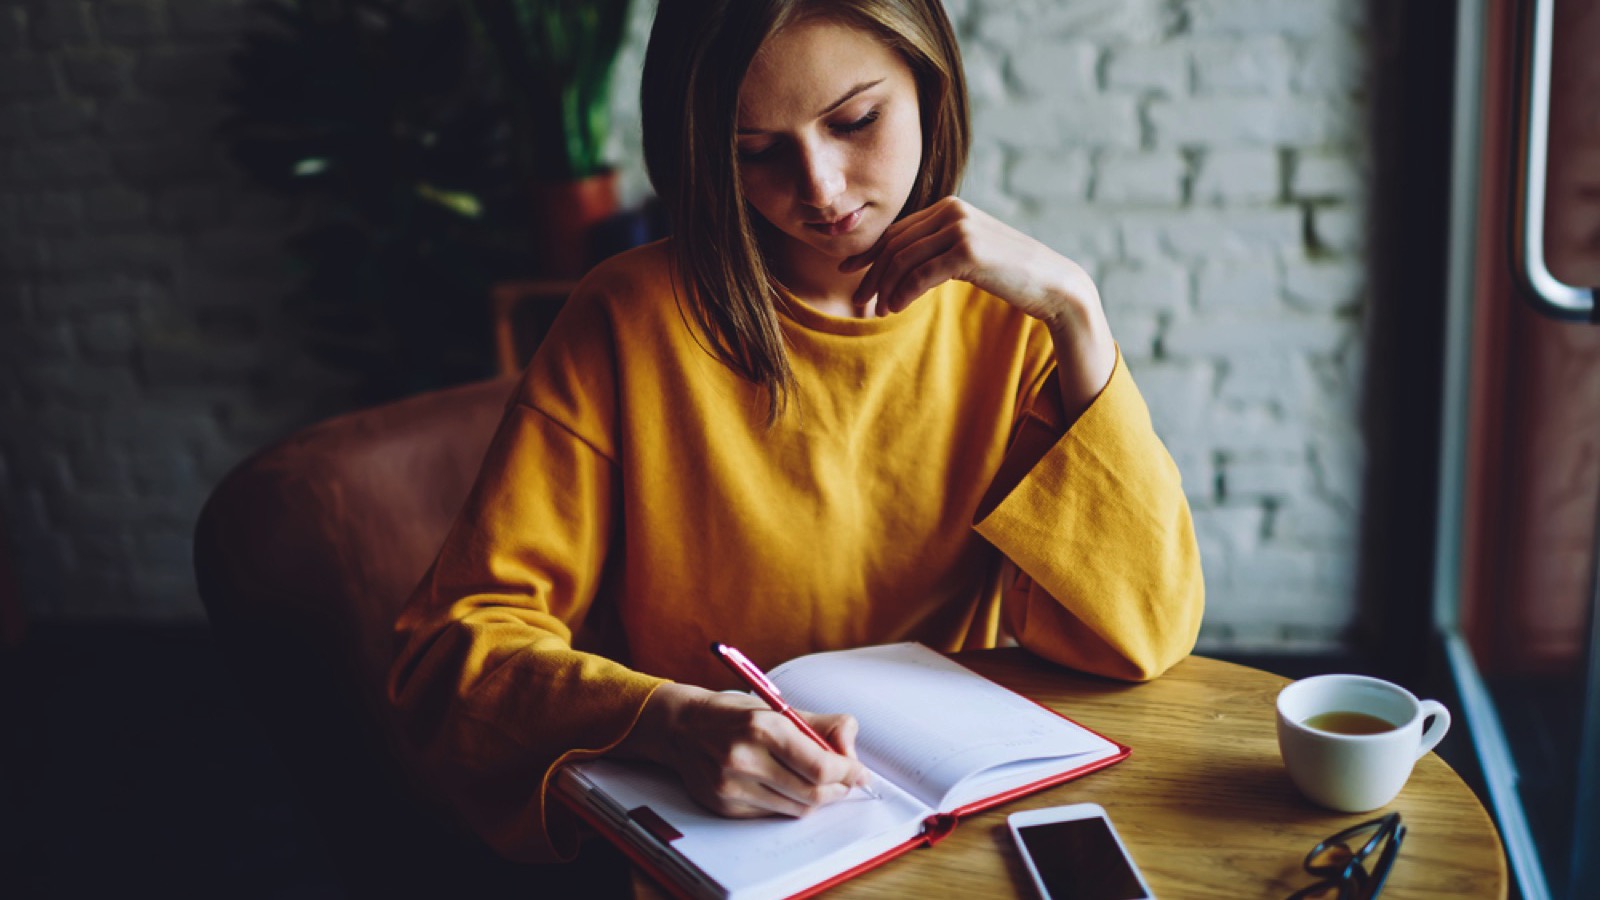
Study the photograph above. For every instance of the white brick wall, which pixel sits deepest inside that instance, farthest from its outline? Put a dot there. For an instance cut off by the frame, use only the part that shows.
(1206, 160)
(1211, 176)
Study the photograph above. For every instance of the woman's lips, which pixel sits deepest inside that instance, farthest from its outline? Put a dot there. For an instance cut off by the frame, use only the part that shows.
(842, 225)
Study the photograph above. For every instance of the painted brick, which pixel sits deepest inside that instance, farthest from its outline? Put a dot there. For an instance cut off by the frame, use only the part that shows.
(57, 24)
(1206, 234)
(1312, 521)
(1326, 176)
(1256, 65)
(26, 78)
(1154, 179)
(107, 338)
(13, 128)
(1053, 124)
(1305, 18)
(1154, 285)
(163, 163)
(1249, 283)
(1235, 121)
(1234, 335)
(1242, 176)
(69, 162)
(98, 73)
(72, 387)
(162, 470)
(1079, 231)
(1112, 21)
(1268, 376)
(219, 19)
(1340, 230)
(1240, 528)
(1328, 286)
(986, 75)
(1334, 65)
(55, 211)
(141, 255)
(61, 118)
(1051, 177)
(1178, 395)
(188, 206)
(13, 29)
(95, 293)
(46, 341)
(1338, 462)
(1253, 433)
(1216, 569)
(1265, 478)
(115, 207)
(1196, 465)
(1161, 68)
(187, 73)
(131, 117)
(1137, 331)
(131, 22)
(1049, 69)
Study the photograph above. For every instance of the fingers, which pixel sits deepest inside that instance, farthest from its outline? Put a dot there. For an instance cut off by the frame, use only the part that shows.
(756, 779)
(917, 254)
(745, 760)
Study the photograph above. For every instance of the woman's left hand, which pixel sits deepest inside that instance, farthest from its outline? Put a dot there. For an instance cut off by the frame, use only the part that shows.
(954, 240)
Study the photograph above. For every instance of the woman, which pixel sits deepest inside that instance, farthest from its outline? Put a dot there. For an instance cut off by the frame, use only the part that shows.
(840, 407)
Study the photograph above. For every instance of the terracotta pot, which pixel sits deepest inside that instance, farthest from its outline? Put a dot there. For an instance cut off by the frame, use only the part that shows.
(565, 214)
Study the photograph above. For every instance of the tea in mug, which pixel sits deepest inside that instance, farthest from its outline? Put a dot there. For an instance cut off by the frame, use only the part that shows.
(1345, 722)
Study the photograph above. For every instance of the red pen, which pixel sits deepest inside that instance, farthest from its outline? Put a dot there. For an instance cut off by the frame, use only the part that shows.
(758, 681)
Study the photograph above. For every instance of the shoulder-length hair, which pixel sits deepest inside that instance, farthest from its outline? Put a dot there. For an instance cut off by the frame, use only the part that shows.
(696, 60)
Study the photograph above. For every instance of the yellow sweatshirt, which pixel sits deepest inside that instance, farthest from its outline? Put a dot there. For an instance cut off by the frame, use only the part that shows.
(634, 507)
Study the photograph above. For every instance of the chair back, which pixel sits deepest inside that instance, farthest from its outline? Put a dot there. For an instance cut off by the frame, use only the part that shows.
(304, 555)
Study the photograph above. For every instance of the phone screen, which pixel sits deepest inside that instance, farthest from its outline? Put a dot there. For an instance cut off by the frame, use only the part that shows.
(1079, 859)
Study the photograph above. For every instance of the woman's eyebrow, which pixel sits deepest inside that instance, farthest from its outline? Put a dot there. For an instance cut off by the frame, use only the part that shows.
(845, 98)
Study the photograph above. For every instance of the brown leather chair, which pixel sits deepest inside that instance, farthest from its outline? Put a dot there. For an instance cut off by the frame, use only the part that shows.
(304, 554)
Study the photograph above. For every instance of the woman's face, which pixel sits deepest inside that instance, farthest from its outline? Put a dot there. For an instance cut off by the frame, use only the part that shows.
(830, 142)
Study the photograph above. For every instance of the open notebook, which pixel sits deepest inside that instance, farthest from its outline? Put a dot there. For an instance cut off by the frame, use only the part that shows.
(943, 740)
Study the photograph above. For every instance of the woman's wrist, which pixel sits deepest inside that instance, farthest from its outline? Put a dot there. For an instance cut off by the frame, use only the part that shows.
(1086, 351)
(652, 732)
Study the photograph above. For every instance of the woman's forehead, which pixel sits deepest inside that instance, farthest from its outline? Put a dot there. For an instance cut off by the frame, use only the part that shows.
(804, 70)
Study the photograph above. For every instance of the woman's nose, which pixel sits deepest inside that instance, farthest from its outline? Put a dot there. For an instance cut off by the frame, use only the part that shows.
(821, 178)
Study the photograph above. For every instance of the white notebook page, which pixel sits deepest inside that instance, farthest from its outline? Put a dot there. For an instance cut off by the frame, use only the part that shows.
(928, 723)
(771, 857)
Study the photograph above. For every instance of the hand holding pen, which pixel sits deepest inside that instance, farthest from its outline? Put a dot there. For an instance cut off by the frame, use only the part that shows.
(763, 686)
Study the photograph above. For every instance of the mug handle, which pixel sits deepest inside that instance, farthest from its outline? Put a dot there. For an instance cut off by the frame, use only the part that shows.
(1435, 732)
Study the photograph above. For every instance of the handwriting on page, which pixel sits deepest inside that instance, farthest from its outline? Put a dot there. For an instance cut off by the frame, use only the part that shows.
(928, 722)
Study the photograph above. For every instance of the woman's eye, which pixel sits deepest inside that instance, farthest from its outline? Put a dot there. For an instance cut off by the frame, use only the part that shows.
(757, 154)
(858, 125)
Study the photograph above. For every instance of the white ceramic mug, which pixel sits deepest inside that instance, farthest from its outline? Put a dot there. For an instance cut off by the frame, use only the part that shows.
(1355, 772)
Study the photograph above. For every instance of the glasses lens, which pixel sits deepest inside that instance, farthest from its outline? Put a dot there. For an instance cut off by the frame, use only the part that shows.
(1327, 859)
(1339, 854)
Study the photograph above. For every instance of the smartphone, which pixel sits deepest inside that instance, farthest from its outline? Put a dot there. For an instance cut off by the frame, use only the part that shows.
(1073, 853)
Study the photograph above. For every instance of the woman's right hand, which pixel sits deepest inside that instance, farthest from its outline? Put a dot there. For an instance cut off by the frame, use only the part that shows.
(739, 758)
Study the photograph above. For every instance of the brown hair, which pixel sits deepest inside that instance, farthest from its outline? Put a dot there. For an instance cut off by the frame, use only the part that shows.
(696, 60)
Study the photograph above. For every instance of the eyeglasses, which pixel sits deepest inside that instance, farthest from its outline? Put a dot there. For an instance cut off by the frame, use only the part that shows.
(1342, 870)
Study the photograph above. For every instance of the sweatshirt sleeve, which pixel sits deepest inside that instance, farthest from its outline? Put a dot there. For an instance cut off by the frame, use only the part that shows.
(1093, 515)
(489, 690)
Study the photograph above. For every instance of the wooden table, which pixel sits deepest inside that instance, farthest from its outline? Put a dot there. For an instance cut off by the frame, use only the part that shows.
(1204, 802)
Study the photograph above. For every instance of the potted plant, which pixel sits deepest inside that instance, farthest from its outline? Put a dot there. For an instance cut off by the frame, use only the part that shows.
(555, 59)
(378, 120)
